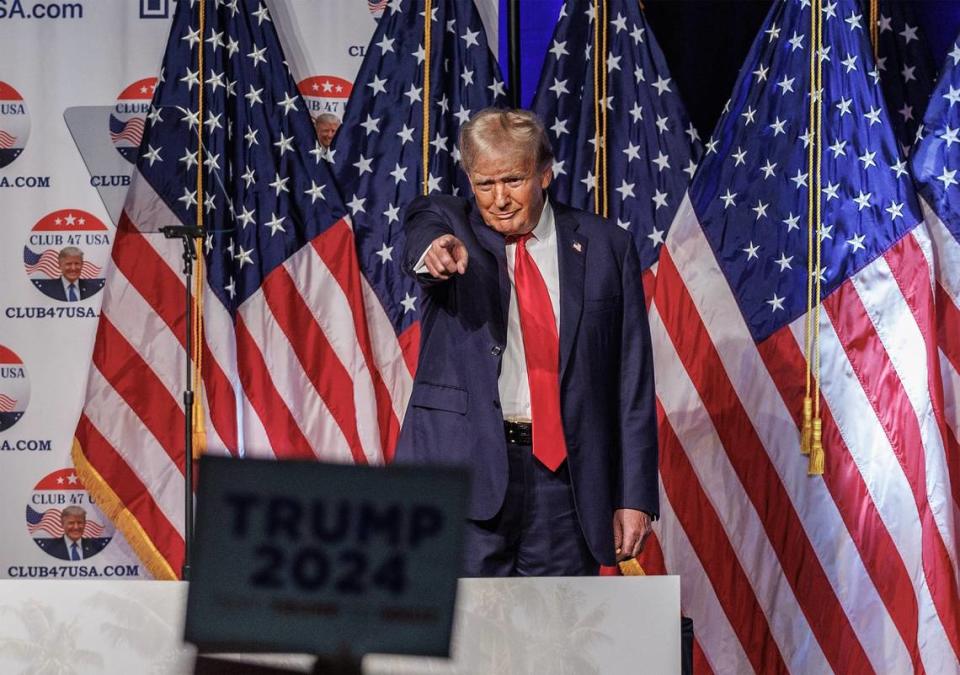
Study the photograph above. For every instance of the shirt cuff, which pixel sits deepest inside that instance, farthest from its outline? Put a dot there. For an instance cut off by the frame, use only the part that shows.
(421, 266)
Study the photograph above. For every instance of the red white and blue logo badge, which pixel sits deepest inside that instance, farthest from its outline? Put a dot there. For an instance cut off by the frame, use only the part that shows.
(129, 117)
(64, 521)
(14, 388)
(14, 124)
(66, 253)
(325, 94)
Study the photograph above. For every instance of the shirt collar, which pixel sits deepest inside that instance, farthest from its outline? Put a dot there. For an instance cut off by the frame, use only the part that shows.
(546, 225)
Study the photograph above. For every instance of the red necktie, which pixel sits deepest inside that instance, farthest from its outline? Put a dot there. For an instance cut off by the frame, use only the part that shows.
(541, 347)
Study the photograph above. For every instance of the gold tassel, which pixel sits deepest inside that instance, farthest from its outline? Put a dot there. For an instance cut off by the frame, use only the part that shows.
(199, 432)
(806, 432)
(631, 568)
(816, 450)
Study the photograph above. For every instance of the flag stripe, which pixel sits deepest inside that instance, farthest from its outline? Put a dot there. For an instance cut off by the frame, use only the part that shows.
(881, 559)
(132, 491)
(947, 248)
(409, 341)
(698, 597)
(147, 270)
(739, 521)
(219, 371)
(220, 400)
(283, 431)
(652, 556)
(142, 275)
(141, 254)
(145, 333)
(816, 507)
(290, 382)
(920, 296)
(335, 248)
(889, 488)
(707, 536)
(256, 441)
(747, 455)
(891, 404)
(388, 353)
(948, 326)
(141, 390)
(315, 354)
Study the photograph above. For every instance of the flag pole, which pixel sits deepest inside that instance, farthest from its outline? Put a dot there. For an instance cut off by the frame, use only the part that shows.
(513, 50)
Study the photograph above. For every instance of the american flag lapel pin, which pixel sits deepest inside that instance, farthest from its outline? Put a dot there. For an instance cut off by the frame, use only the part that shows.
(578, 247)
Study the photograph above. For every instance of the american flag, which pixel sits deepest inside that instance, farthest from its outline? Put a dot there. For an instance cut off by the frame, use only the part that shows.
(295, 362)
(906, 67)
(130, 132)
(935, 163)
(653, 147)
(377, 154)
(855, 570)
(7, 404)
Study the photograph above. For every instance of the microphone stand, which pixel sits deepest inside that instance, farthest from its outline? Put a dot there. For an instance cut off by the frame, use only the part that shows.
(187, 236)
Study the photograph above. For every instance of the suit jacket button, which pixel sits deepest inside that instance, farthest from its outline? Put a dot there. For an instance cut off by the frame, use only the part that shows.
(496, 350)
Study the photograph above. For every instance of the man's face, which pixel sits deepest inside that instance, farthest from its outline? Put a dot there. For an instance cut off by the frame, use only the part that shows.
(73, 525)
(326, 131)
(70, 267)
(509, 191)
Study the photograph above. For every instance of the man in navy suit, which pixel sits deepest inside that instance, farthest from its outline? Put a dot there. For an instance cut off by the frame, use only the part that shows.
(69, 287)
(535, 367)
(73, 545)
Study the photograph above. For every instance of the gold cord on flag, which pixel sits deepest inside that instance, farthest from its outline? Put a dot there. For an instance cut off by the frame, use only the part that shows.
(199, 427)
(603, 108)
(874, 19)
(811, 435)
(600, 200)
(806, 433)
(425, 138)
(596, 109)
(816, 445)
(811, 431)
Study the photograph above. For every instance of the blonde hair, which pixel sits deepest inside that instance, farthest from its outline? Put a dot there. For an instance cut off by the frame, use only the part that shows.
(518, 131)
(73, 511)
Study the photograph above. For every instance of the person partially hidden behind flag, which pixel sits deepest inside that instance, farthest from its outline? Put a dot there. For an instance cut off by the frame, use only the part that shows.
(535, 366)
(69, 287)
(73, 545)
(326, 125)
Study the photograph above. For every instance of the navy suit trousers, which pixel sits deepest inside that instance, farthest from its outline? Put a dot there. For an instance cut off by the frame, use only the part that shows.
(536, 532)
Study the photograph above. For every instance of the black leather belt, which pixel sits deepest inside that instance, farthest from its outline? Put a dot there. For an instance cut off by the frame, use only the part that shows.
(520, 433)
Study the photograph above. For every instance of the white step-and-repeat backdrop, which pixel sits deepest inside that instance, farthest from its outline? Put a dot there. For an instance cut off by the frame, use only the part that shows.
(76, 78)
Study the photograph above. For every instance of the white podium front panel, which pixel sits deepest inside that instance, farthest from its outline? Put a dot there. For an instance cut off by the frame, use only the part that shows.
(542, 625)
(557, 625)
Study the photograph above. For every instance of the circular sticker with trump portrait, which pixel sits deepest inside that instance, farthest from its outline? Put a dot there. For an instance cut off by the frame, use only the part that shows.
(63, 519)
(14, 124)
(66, 253)
(14, 388)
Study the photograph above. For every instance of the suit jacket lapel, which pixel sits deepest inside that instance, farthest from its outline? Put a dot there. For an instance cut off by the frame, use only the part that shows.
(571, 258)
(494, 243)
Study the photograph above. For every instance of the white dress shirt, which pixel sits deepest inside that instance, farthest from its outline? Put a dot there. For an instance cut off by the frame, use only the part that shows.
(67, 285)
(542, 247)
(70, 542)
